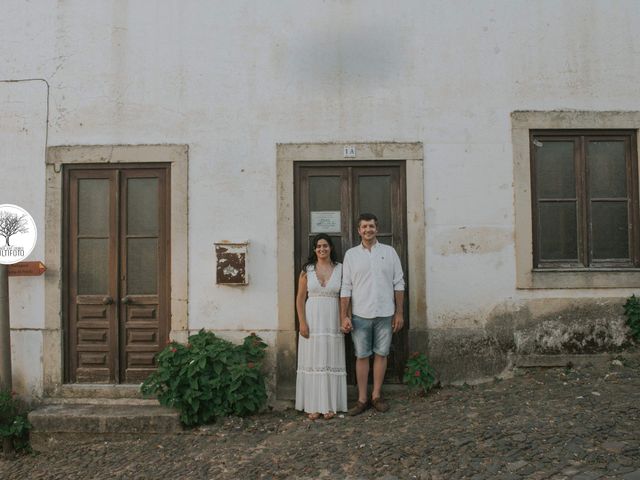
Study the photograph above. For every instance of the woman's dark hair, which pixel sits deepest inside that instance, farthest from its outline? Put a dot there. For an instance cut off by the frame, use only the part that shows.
(313, 258)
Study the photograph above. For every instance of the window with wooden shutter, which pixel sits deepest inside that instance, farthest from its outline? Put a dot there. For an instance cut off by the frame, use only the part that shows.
(584, 199)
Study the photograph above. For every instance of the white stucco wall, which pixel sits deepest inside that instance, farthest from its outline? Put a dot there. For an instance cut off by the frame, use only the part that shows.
(232, 79)
(23, 113)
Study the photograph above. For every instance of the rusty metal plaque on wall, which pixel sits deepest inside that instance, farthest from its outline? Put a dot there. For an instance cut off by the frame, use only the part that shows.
(231, 263)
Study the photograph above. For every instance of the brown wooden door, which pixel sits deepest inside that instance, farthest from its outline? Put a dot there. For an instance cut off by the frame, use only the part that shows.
(338, 192)
(117, 271)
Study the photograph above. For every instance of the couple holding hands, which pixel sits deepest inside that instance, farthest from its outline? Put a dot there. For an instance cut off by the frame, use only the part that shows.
(363, 296)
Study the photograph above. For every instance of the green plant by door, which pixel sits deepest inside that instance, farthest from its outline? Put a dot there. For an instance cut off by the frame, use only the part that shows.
(13, 420)
(209, 378)
(418, 374)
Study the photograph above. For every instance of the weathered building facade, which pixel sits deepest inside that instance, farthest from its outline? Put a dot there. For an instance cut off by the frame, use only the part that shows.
(496, 141)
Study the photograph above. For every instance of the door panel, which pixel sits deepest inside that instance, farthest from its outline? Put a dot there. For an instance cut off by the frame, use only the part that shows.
(143, 255)
(322, 189)
(381, 191)
(352, 188)
(116, 271)
(92, 288)
(93, 355)
(373, 194)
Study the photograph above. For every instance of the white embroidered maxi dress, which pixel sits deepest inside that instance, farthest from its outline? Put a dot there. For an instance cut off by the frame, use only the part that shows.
(321, 382)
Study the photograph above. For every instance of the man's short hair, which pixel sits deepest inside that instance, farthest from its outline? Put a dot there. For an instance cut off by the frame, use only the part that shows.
(367, 217)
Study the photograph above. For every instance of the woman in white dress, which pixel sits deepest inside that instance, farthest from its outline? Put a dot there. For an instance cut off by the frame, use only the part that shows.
(321, 383)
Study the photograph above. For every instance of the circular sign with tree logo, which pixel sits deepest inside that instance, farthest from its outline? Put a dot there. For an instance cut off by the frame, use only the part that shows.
(18, 234)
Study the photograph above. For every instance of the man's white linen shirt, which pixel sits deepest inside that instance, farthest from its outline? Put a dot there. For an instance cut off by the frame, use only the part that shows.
(371, 279)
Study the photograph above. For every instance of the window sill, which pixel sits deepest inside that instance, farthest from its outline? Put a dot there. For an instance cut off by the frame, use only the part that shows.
(587, 270)
(582, 278)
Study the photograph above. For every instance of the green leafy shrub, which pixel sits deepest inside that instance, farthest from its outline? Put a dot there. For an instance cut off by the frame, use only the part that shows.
(209, 378)
(418, 374)
(13, 420)
(632, 312)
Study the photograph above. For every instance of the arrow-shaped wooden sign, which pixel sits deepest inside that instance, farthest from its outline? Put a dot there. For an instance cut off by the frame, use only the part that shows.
(26, 269)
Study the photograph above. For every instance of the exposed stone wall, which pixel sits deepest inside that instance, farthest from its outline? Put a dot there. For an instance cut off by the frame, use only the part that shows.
(548, 327)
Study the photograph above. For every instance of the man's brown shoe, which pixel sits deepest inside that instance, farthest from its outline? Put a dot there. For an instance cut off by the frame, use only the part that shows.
(358, 408)
(380, 405)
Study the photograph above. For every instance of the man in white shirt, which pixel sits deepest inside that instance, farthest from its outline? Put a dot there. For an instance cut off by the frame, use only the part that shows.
(373, 286)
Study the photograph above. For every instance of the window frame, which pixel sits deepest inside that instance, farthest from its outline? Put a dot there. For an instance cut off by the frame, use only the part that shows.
(584, 225)
(522, 121)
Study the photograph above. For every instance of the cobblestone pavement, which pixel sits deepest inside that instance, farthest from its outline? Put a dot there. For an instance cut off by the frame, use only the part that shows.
(543, 423)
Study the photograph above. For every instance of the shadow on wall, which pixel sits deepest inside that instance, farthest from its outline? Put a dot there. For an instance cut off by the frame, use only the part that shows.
(369, 54)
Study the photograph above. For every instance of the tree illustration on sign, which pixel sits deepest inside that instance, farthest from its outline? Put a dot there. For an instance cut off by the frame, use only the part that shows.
(12, 223)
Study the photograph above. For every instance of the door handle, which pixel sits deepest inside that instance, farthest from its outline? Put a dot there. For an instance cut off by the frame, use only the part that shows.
(107, 300)
(127, 300)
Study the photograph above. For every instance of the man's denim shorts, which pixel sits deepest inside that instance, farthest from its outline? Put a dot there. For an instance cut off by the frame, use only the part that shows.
(371, 335)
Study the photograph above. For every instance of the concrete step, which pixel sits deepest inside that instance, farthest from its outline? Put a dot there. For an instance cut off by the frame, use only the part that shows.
(56, 423)
(98, 401)
(99, 394)
(97, 390)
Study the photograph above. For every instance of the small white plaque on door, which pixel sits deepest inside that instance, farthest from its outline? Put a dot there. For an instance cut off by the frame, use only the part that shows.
(349, 151)
(325, 222)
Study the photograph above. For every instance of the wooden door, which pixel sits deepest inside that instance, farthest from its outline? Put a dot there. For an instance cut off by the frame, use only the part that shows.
(343, 190)
(116, 271)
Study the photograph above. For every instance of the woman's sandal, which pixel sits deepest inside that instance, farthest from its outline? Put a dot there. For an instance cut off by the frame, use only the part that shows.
(329, 415)
(313, 416)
